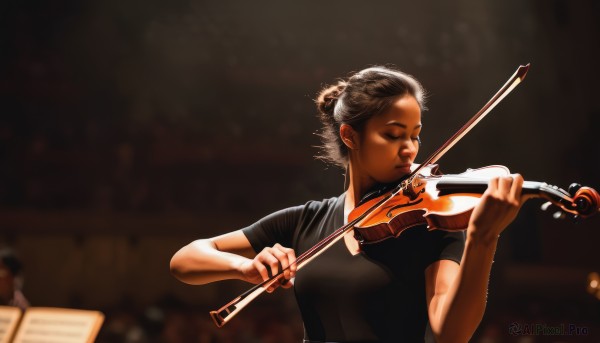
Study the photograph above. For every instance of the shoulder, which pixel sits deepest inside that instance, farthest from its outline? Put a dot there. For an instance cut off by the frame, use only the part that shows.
(286, 225)
(308, 209)
(317, 205)
(326, 208)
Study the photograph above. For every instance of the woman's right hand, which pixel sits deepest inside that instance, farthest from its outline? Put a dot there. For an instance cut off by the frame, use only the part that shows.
(268, 262)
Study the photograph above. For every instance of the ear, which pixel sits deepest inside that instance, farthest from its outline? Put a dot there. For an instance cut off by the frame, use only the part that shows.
(349, 136)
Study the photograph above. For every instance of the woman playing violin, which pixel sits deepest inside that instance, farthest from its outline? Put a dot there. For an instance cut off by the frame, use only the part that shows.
(421, 286)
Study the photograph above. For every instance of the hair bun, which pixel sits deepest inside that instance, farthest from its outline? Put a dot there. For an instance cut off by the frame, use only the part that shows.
(328, 98)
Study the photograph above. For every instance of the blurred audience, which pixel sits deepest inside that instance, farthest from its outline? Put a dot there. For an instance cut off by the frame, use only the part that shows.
(172, 321)
(11, 280)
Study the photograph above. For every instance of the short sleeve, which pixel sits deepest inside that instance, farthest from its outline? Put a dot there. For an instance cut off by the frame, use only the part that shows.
(447, 245)
(277, 227)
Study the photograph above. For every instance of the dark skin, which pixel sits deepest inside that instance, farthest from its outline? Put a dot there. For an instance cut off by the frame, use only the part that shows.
(382, 152)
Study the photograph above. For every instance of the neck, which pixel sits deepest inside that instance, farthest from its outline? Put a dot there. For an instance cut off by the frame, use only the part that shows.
(357, 187)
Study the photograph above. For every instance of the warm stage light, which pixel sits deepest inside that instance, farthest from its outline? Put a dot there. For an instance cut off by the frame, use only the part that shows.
(594, 284)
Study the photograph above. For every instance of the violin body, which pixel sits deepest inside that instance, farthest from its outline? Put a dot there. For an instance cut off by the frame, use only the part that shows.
(446, 202)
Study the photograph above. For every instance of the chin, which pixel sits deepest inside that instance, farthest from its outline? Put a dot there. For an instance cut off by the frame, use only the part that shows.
(401, 172)
(394, 177)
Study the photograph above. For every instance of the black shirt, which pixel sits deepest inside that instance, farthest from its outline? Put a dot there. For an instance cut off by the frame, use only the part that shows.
(377, 295)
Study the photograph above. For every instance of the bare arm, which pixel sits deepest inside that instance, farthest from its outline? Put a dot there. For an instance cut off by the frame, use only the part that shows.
(208, 260)
(457, 295)
(229, 256)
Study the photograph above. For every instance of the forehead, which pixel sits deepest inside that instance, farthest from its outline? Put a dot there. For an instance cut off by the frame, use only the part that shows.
(405, 110)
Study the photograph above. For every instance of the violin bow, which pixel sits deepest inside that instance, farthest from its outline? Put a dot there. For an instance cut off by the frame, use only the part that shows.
(227, 312)
(512, 82)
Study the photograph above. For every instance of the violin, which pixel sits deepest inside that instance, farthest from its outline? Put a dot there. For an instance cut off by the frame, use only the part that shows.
(445, 202)
(424, 196)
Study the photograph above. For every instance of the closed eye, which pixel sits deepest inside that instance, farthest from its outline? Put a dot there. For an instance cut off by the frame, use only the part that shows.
(417, 138)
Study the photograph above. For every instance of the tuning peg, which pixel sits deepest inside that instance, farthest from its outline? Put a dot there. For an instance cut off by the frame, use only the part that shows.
(545, 206)
(563, 215)
(573, 188)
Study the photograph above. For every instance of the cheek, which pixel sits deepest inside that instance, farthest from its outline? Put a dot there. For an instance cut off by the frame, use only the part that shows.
(378, 153)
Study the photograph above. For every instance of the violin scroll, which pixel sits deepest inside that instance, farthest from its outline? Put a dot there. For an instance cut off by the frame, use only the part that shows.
(577, 202)
(586, 201)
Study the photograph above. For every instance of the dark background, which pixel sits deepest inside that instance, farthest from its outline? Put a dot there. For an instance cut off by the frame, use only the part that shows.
(130, 128)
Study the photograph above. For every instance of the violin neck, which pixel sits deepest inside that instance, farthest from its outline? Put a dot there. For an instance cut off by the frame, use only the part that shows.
(454, 185)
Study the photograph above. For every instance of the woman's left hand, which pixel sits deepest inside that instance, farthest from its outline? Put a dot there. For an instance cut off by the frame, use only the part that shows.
(497, 208)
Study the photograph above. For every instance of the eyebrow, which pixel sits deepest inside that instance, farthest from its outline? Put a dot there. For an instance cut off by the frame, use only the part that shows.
(402, 125)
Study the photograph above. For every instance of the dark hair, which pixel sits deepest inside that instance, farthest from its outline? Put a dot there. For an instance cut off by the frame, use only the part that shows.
(10, 260)
(365, 94)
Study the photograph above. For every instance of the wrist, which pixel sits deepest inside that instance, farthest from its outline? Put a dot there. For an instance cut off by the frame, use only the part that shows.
(482, 238)
(239, 267)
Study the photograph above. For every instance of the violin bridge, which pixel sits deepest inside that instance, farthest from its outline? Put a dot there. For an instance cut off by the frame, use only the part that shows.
(410, 189)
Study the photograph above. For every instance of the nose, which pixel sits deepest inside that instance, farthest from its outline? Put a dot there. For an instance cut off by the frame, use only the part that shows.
(409, 148)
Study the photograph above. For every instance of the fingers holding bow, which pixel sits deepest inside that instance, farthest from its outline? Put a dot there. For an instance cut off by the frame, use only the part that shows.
(269, 262)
